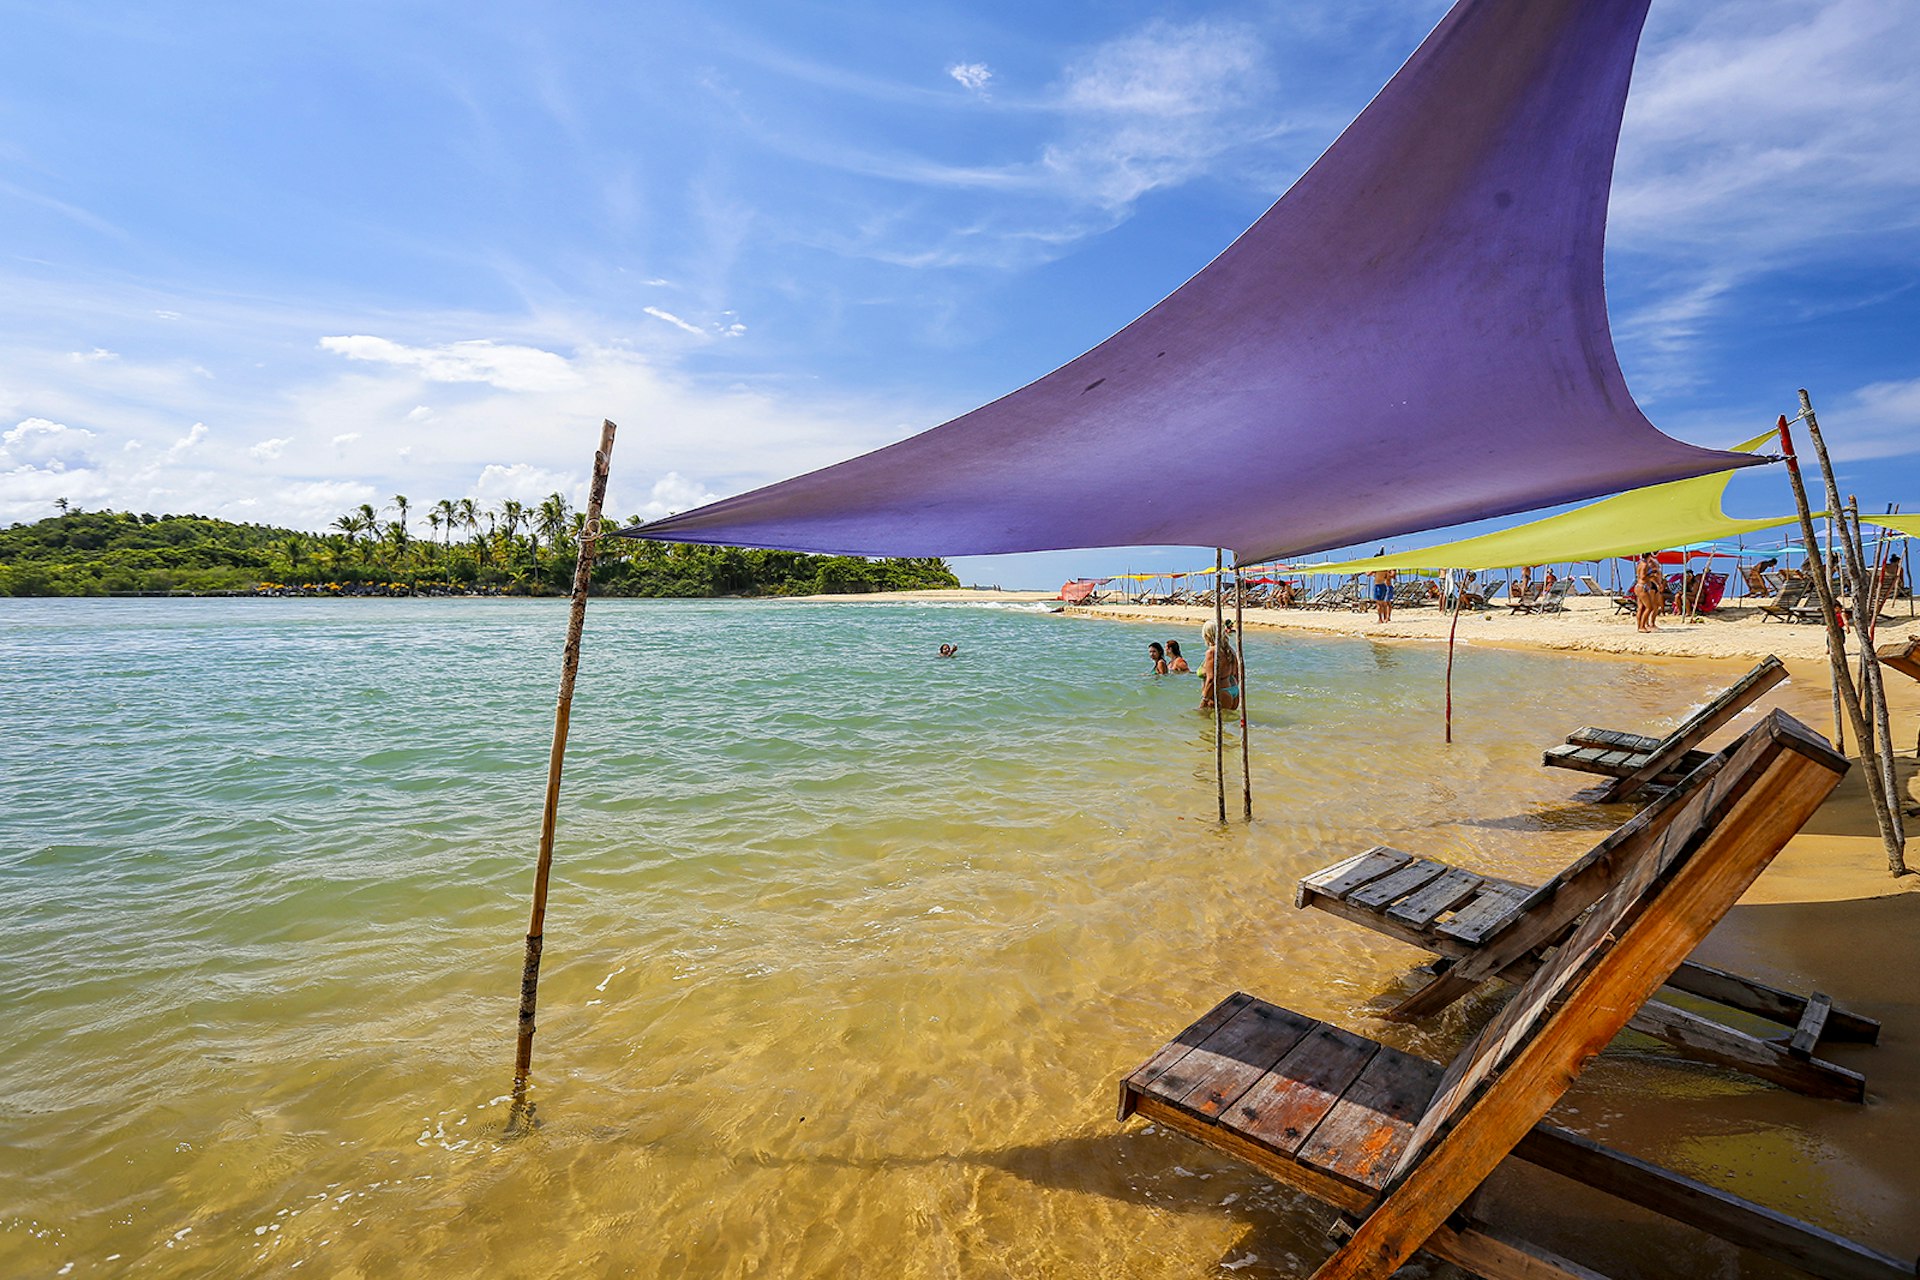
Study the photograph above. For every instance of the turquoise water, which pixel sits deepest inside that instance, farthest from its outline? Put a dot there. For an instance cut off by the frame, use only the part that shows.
(847, 945)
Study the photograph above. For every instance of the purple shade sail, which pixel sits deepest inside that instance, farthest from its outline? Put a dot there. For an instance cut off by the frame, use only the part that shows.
(1415, 335)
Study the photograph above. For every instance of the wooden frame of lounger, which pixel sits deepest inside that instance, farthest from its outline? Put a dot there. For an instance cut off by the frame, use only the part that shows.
(1482, 928)
(1403, 1145)
(1902, 656)
(1634, 761)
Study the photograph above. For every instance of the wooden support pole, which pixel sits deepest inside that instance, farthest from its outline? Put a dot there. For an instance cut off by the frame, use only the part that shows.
(1836, 638)
(1453, 627)
(520, 1112)
(1875, 681)
(1240, 653)
(1219, 684)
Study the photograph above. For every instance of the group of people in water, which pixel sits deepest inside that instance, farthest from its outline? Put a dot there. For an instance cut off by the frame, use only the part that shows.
(1219, 670)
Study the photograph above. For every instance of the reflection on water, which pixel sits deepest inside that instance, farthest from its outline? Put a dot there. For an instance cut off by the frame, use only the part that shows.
(848, 946)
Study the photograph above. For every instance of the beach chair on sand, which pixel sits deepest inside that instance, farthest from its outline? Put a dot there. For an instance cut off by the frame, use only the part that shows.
(1902, 655)
(1634, 761)
(1791, 604)
(1480, 928)
(1553, 600)
(1402, 1144)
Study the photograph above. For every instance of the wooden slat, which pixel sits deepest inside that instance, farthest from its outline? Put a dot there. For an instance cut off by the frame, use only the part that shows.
(1365, 1131)
(1474, 923)
(1223, 1066)
(1439, 896)
(1613, 963)
(1902, 656)
(1807, 1034)
(1396, 886)
(1710, 1041)
(1179, 1047)
(1611, 739)
(1741, 1222)
(1763, 1001)
(1284, 1105)
(1342, 877)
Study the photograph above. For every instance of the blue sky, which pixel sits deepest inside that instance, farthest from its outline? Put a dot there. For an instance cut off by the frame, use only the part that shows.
(269, 262)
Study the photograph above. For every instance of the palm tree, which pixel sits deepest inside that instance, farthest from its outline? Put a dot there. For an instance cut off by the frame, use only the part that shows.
(448, 518)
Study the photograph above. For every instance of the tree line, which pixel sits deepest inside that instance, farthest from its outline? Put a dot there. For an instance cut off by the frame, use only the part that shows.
(512, 548)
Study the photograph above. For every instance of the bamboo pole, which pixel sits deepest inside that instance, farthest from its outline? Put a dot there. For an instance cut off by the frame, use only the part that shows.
(1240, 653)
(520, 1112)
(1836, 639)
(1219, 662)
(1877, 689)
(1459, 593)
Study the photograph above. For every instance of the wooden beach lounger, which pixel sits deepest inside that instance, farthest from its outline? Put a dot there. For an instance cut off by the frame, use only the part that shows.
(1634, 761)
(1402, 1144)
(1791, 604)
(1902, 655)
(1483, 927)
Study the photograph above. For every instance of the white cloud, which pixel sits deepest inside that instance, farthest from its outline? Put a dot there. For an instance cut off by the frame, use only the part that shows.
(674, 492)
(503, 366)
(1879, 420)
(51, 446)
(971, 75)
(314, 504)
(420, 413)
(188, 442)
(674, 320)
(345, 438)
(521, 481)
(94, 356)
(267, 450)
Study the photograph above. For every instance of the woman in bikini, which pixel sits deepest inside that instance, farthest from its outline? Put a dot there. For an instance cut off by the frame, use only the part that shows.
(1221, 666)
(1176, 663)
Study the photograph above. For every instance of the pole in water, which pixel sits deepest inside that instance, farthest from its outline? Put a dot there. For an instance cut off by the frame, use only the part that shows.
(1240, 654)
(1460, 592)
(520, 1112)
(1219, 656)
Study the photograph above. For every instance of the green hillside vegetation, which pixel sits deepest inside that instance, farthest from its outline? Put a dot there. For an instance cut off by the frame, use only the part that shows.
(513, 549)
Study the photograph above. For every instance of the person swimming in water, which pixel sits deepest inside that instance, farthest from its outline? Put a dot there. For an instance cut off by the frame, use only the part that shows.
(948, 650)
(1159, 657)
(1219, 667)
(1175, 662)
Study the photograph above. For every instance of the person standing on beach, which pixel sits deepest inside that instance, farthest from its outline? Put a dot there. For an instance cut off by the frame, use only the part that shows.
(1383, 591)
(1176, 662)
(1649, 593)
(1159, 657)
(1219, 668)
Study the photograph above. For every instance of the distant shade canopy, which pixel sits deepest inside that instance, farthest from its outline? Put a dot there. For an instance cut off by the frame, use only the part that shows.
(1680, 513)
(1414, 336)
(1907, 525)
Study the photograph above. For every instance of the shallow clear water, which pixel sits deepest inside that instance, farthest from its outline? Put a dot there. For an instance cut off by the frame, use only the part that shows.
(848, 945)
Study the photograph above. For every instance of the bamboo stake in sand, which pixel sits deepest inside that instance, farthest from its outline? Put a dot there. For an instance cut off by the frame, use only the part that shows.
(1836, 638)
(1459, 592)
(520, 1113)
(1219, 656)
(1240, 654)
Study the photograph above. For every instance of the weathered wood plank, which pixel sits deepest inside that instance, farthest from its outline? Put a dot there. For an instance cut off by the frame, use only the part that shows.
(1902, 656)
(1284, 1105)
(1710, 1041)
(1222, 1067)
(1612, 739)
(1763, 1001)
(1741, 1222)
(1365, 1131)
(1438, 897)
(1349, 874)
(1477, 921)
(1391, 888)
(1807, 1034)
(1627, 947)
(1178, 1047)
